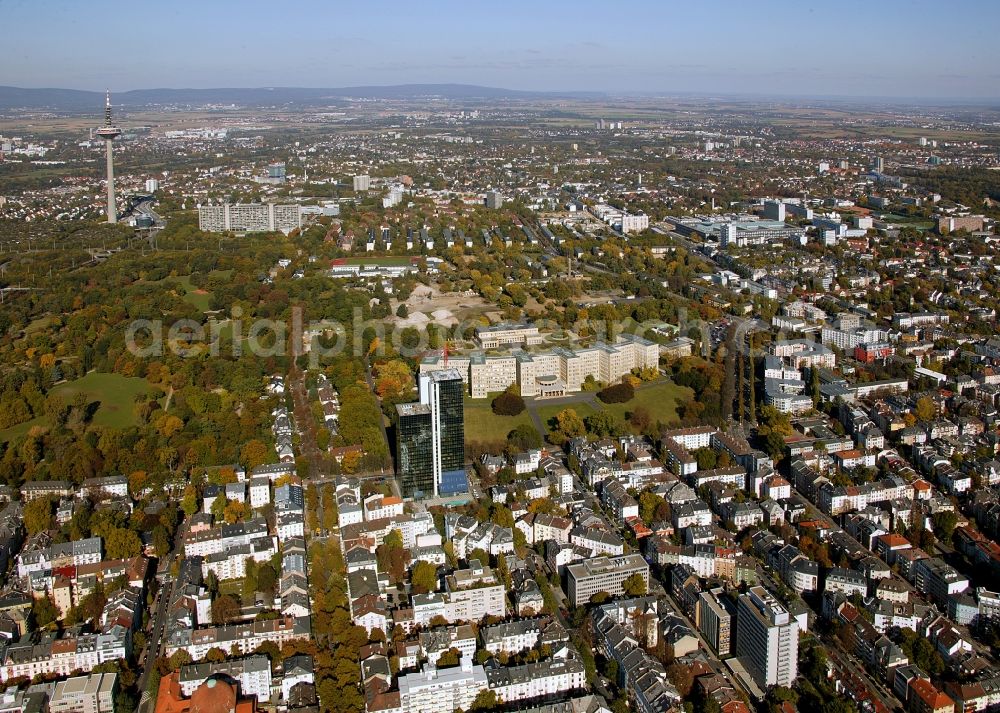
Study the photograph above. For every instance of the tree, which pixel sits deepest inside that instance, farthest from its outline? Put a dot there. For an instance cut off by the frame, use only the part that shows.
(267, 578)
(254, 453)
(423, 577)
(179, 658)
(235, 511)
(38, 515)
(44, 611)
(189, 503)
(524, 438)
(485, 700)
(774, 444)
(402, 312)
(641, 419)
(926, 409)
(682, 678)
(944, 525)
(218, 508)
(543, 506)
(569, 423)
(634, 585)
(617, 393)
(652, 507)
(706, 457)
(611, 670)
(161, 541)
(122, 544)
(225, 609)
(604, 424)
(450, 657)
(391, 556)
(393, 380)
(508, 404)
(501, 515)
(215, 655)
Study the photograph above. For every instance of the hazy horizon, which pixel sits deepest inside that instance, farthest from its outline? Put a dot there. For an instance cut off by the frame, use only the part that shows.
(903, 50)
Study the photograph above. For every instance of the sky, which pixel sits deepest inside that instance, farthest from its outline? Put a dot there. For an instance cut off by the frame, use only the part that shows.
(875, 48)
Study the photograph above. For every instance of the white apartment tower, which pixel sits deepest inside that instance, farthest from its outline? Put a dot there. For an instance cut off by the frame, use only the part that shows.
(767, 639)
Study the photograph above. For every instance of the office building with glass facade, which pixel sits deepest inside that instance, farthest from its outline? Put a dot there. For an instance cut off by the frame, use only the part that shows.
(430, 438)
(443, 391)
(414, 438)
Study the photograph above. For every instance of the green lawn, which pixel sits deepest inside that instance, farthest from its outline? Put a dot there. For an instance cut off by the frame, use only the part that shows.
(481, 424)
(547, 413)
(115, 393)
(189, 292)
(660, 398)
(200, 299)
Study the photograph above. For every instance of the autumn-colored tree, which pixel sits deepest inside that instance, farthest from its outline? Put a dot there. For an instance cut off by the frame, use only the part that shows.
(424, 577)
(634, 585)
(640, 419)
(543, 506)
(122, 543)
(38, 515)
(235, 511)
(394, 380)
(137, 480)
(225, 609)
(189, 503)
(44, 611)
(179, 658)
(569, 423)
(449, 658)
(926, 409)
(215, 655)
(391, 556)
(254, 453)
(168, 425)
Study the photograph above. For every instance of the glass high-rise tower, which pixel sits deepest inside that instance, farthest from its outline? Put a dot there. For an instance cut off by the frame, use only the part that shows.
(430, 437)
(444, 391)
(413, 449)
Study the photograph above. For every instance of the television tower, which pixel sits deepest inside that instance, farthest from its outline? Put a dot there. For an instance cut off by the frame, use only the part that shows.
(109, 132)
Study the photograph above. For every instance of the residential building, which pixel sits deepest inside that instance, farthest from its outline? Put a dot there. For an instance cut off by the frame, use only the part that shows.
(434, 690)
(249, 218)
(85, 694)
(603, 574)
(715, 616)
(544, 679)
(252, 672)
(767, 639)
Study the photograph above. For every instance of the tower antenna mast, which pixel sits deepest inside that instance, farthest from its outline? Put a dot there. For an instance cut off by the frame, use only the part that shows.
(109, 132)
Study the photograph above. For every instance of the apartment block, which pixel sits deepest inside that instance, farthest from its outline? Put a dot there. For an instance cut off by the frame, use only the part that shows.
(603, 574)
(767, 639)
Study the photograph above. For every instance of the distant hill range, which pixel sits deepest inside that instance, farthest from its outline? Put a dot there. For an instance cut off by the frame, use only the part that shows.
(75, 100)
